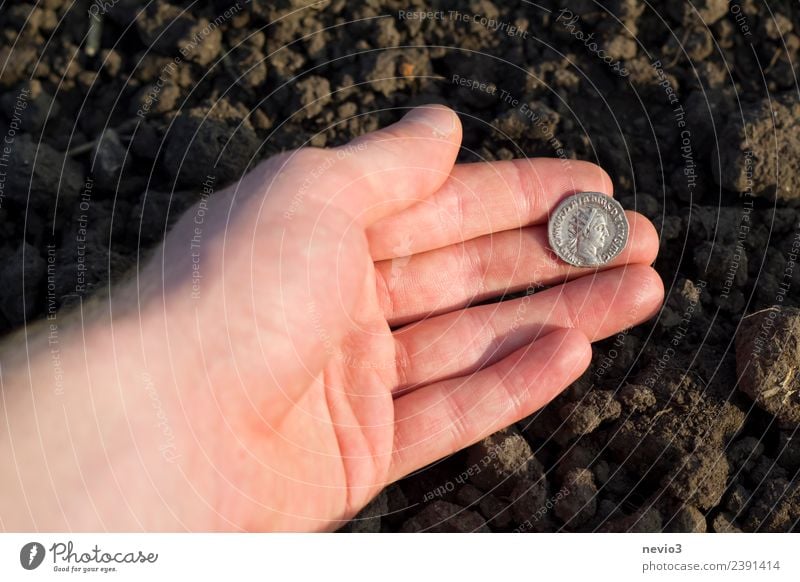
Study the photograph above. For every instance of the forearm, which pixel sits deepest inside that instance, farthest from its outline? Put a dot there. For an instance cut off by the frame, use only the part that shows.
(89, 439)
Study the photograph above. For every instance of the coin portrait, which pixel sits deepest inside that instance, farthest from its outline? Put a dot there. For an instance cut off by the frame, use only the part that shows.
(588, 229)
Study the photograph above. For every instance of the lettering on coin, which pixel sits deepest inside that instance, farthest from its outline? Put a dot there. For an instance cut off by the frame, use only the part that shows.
(588, 229)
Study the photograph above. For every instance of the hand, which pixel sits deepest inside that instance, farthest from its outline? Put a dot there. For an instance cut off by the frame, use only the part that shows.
(309, 337)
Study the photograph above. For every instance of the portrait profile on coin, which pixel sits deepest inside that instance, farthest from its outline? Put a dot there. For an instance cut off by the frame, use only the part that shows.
(591, 234)
(588, 229)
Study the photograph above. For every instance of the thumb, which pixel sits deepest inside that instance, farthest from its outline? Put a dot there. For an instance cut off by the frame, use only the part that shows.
(392, 168)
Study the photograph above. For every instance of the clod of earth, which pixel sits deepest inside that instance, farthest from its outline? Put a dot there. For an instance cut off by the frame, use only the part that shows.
(767, 358)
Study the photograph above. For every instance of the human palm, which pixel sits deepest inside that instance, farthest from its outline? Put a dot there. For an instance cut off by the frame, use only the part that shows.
(341, 338)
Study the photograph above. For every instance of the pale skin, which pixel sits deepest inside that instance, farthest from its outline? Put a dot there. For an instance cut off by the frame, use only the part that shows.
(329, 346)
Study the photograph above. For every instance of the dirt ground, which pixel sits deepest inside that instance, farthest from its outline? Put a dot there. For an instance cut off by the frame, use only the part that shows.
(687, 423)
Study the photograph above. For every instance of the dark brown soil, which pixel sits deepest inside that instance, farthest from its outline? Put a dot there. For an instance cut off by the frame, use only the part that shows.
(688, 423)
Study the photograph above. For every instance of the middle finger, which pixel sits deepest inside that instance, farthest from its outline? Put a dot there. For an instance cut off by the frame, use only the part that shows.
(449, 278)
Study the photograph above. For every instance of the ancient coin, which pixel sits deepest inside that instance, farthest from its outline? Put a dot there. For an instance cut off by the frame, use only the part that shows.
(588, 229)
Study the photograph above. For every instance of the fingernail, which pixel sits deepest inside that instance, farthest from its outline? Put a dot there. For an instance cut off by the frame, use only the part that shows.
(441, 120)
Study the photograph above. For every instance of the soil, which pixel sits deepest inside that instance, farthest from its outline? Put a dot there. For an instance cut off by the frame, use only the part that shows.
(687, 423)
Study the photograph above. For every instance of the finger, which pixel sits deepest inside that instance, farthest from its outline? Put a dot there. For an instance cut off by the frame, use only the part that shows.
(483, 198)
(461, 342)
(445, 417)
(392, 168)
(446, 279)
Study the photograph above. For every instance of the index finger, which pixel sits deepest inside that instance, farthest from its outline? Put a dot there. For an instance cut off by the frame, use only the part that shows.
(482, 198)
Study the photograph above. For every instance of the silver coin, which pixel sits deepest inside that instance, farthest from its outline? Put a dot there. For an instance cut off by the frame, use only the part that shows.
(588, 229)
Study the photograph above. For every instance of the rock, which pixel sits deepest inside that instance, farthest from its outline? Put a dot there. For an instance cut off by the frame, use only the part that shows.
(581, 455)
(64, 67)
(176, 33)
(531, 508)
(399, 508)
(389, 71)
(24, 17)
(251, 67)
(643, 203)
(723, 523)
(383, 74)
(123, 12)
(789, 450)
(628, 11)
(109, 160)
(146, 141)
(776, 26)
(260, 120)
(753, 146)
(511, 124)
(724, 265)
(501, 460)
(112, 62)
(780, 75)
(770, 272)
(744, 453)
(670, 228)
(737, 499)
(711, 76)
(607, 511)
(314, 94)
(602, 471)
(496, 513)
(621, 47)
(387, 35)
(701, 12)
(18, 60)
(93, 274)
(776, 508)
(23, 276)
(85, 259)
(647, 520)
(156, 98)
(580, 504)
(53, 175)
(687, 519)
(368, 519)
(541, 121)
(566, 80)
(701, 477)
(765, 469)
(155, 212)
(286, 64)
(620, 358)
(8, 227)
(32, 104)
(767, 360)
(154, 68)
(697, 44)
(686, 415)
(636, 397)
(49, 20)
(647, 78)
(469, 495)
(715, 223)
(586, 415)
(444, 517)
(683, 303)
(203, 143)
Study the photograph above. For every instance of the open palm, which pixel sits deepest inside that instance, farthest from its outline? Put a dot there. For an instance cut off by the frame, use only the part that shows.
(340, 344)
